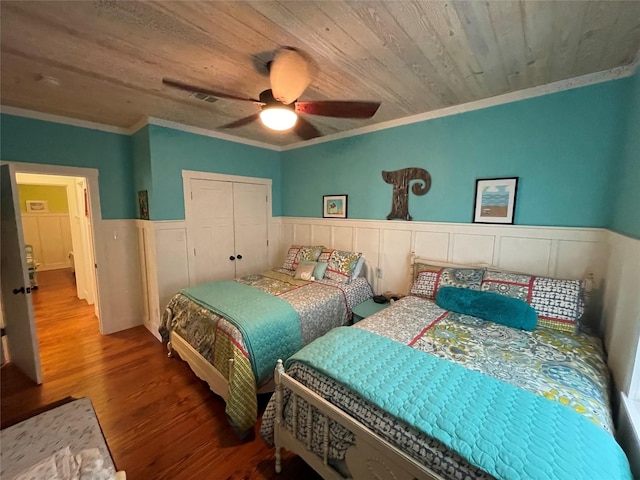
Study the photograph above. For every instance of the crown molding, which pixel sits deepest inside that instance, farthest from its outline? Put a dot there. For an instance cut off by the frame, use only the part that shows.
(210, 133)
(546, 89)
(48, 117)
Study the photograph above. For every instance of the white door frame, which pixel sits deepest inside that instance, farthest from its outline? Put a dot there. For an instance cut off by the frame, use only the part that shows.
(84, 261)
(188, 175)
(91, 174)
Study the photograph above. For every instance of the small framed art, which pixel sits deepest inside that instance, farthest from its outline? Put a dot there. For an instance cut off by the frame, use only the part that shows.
(334, 206)
(495, 200)
(143, 204)
(37, 206)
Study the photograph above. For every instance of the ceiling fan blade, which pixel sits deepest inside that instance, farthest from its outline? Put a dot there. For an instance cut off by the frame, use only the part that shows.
(290, 74)
(305, 130)
(339, 109)
(213, 93)
(242, 121)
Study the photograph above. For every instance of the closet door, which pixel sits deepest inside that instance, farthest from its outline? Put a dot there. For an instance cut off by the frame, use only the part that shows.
(250, 219)
(211, 228)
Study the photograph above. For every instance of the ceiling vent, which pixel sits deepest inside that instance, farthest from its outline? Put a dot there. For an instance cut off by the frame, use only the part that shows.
(204, 96)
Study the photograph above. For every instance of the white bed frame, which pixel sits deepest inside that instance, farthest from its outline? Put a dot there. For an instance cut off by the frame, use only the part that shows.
(204, 370)
(371, 457)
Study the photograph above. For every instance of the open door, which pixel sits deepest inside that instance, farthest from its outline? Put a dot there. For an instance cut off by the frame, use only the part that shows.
(19, 320)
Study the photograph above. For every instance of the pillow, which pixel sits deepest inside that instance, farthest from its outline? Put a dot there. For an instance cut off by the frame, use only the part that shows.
(490, 306)
(319, 268)
(290, 262)
(304, 271)
(357, 269)
(429, 278)
(557, 302)
(341, 264)
(297, 253)
(310, 253)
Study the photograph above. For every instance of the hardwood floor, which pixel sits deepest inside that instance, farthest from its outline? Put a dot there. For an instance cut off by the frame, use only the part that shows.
(160, 421)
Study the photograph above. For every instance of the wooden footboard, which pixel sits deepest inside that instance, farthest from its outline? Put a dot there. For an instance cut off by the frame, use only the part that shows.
(370, 456)
(203, 369)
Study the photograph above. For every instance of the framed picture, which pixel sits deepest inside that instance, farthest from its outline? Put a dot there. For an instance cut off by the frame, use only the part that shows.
(334, 206)
(37, 206)
(495, 200)
(143, 203)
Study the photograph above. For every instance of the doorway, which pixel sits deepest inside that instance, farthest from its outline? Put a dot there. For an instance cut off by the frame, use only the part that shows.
(83, 202)
(59, 232)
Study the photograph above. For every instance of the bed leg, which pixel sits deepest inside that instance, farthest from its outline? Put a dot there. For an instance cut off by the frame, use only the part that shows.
(279, 409)
(278, 460)
(169, 315)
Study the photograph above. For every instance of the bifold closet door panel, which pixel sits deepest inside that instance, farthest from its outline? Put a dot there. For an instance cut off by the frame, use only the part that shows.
(211, 227)
(250, 218)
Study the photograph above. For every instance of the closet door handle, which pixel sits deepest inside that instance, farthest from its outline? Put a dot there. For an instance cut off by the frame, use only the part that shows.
(16, 291)
(239, 257)
(232, 258)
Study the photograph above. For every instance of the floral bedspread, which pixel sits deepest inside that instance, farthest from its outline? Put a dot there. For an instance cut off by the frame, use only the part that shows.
(321, 306)
(566, 368)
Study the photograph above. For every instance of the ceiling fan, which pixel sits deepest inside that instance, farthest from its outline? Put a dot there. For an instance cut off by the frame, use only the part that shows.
(290, 73)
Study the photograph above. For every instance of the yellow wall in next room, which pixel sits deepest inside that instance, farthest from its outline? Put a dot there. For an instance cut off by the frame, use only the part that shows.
(55, 196)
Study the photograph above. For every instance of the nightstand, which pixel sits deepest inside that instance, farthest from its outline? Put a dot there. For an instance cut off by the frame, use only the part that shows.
(366, 309)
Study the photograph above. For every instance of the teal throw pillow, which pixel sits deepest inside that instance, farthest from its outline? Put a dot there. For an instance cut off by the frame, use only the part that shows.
(508, 311)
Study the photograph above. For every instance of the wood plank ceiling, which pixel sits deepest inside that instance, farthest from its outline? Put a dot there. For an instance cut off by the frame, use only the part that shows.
(108, 57)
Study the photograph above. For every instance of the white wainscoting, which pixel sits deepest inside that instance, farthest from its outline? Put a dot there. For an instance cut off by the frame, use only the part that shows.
(50, 236)
(119, 275)
(621, 310)
(164, 264)
(387, 245)
(621, 314)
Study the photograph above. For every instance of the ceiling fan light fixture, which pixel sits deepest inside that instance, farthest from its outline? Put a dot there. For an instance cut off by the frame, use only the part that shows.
(278, 118)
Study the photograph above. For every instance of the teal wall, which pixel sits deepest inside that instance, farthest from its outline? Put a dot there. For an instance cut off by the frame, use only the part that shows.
(141, 156)
(626, 216)
(173, 151)
(561, 146)
(35, 141)
(576, 153)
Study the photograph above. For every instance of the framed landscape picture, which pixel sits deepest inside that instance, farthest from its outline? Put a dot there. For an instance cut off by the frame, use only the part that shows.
(334, 206)
(495, 200)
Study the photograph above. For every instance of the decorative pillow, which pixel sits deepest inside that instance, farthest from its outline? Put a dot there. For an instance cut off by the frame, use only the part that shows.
(318, 270)
(304, 271)
(310, 253)
(290, 262)
(357, 269)
(558, 303)
(325, 255)
(429, 278)
(490, 306)
(297, 253)
(341, 264)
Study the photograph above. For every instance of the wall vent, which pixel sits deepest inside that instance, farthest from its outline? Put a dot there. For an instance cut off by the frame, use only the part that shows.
(204, 96)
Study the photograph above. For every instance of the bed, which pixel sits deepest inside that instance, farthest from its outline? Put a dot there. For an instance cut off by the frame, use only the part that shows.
(62, 440)
(464, 402)
(232, 332)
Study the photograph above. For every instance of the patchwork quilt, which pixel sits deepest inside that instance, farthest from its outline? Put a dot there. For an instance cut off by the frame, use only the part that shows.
(504, 430)
(320, 306)
(565, 368)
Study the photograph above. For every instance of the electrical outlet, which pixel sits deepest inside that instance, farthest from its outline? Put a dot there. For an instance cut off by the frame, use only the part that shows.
(379, 272)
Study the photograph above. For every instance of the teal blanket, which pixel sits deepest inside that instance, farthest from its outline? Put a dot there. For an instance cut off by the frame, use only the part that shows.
(269, 325)
(505, 431)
